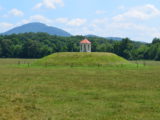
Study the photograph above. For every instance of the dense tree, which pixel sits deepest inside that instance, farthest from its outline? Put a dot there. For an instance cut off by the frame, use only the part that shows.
(36, 45)
(141, 52)
(6, 48)
(156, 40)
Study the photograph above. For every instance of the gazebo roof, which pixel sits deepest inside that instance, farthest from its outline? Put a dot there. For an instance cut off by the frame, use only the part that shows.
(85, 41)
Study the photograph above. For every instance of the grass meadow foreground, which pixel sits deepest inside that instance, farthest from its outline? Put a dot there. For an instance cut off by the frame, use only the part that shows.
(78, 93)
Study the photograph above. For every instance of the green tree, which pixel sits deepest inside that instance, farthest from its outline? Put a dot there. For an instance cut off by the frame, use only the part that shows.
(7, 48)
(31, 49)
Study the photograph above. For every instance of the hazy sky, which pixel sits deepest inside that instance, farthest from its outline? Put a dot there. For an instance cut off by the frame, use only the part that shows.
(137, 19)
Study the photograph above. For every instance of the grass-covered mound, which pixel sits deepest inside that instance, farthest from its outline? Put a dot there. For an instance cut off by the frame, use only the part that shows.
(81, 59)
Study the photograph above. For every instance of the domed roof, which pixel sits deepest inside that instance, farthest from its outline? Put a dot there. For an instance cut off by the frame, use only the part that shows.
(85, 41)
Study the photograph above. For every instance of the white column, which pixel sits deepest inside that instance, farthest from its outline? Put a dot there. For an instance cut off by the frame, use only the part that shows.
(90, 48)
(86, 47)
(83, 48)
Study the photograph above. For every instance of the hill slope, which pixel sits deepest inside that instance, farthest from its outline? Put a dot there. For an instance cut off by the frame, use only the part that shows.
(37, 27)
(80, 59)
(114, 38)
(108, 38)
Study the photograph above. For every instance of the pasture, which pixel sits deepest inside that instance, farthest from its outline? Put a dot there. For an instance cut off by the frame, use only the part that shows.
(78, 93)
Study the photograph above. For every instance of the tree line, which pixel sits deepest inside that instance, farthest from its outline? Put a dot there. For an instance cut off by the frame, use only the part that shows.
(37, 45)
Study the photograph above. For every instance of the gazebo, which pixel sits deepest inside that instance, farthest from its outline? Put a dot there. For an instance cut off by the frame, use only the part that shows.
(85, 46)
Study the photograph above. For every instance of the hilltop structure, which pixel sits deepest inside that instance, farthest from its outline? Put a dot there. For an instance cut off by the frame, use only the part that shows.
(85, 46)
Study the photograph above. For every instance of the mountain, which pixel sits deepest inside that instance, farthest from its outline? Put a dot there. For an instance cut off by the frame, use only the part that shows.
(37, 27)
(90, 35)
(114, 38)
(108, 38)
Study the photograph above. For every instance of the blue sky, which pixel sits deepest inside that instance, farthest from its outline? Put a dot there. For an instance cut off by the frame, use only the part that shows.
(137, 19)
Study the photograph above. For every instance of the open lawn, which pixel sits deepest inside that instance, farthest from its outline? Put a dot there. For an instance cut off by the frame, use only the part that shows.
(79, 93)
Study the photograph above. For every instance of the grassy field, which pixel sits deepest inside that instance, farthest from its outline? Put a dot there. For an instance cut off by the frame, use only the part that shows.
(78, 93)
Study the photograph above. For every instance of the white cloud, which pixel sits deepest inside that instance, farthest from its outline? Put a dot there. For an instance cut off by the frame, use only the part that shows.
(38, 5)
(122, 7)
(40, 18)
(101, 27)
(99, 12)
(141, 12)
(62, 20)
(95, 26)
(72, 22)
(76, 22)
(5, 26)
(106, 27)
(157, 34)
(101, 21)
(16, 12)
(51, 4)
(37, 18)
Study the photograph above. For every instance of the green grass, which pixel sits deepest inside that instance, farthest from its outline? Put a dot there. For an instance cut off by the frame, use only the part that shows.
(79, 93)
(13, 61)
(81, 59)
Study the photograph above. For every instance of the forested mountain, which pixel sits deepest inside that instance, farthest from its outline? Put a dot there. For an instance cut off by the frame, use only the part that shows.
(108, 38)
(114, 38)
(40, 27)
(37, 45)
(37, 27)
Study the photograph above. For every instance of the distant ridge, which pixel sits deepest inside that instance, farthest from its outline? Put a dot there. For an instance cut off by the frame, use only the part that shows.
(37, 27)
(90, 35)
(108, 38)
(114, 38)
